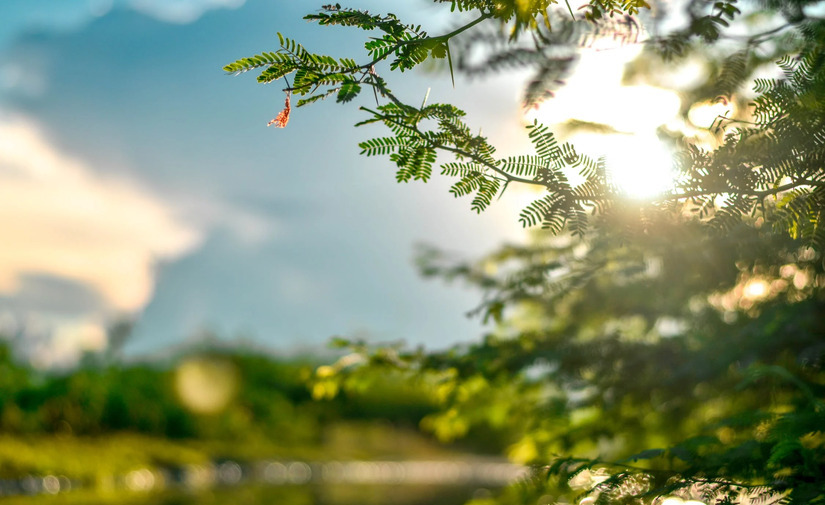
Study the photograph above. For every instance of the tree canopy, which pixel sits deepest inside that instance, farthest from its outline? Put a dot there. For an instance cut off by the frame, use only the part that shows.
(671, 348)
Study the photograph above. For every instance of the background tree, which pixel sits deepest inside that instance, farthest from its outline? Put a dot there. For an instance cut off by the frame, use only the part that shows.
(674, 347)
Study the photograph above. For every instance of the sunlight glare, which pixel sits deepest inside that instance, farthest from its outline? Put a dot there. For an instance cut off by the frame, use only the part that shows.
(640, 165)
(625, 108)
(704, 114)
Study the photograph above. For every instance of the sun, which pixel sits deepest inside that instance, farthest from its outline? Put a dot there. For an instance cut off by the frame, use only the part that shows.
(641, 166)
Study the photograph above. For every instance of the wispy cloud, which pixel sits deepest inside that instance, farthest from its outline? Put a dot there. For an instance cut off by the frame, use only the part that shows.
(22, 15)
(181, 11)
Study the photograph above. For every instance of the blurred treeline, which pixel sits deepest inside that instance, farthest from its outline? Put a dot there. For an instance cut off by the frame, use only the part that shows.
(272, 398)
(204, 405)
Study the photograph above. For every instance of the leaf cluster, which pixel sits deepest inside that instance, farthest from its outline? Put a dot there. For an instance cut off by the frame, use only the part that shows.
(413, 149)
(773, 165)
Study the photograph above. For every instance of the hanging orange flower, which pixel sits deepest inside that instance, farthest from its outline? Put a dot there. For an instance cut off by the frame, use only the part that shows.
(282, 118)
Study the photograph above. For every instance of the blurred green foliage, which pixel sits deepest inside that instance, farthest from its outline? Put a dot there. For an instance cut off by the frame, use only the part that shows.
(141, 398)
(675, 363)
(102, 420)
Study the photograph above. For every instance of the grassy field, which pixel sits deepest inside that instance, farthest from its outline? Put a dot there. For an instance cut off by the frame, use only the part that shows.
(99, 467)
(95, 460)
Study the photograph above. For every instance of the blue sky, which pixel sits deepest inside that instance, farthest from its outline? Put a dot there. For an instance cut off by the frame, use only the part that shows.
(138, 180)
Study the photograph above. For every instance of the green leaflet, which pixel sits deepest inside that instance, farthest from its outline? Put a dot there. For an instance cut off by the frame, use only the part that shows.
(348, 92)
(469, 183)
(260, 60)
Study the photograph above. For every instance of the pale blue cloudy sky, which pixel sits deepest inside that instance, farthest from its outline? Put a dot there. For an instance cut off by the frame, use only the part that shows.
(137, 179)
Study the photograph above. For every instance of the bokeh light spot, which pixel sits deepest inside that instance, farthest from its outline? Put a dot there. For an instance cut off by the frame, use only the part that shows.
(206, 385)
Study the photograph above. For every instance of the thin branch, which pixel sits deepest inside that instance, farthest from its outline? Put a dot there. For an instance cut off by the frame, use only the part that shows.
(757, 38)
(759, 194)
(445, 37)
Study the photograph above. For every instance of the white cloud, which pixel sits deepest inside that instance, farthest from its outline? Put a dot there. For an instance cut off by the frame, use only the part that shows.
(209, 214)
(181, 11)
(58, 218)
(69, 341)
(22, 15)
